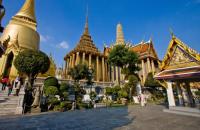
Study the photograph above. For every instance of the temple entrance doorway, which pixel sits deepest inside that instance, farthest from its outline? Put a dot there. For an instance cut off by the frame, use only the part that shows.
(8, 64)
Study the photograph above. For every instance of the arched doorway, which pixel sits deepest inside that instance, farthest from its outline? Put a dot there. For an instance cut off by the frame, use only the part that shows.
(8, 64)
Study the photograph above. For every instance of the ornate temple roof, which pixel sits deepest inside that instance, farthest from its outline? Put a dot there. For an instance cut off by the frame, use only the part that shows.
(178, 49)
(28, 10)
(86, 43)
(145, 49)
(180, 62)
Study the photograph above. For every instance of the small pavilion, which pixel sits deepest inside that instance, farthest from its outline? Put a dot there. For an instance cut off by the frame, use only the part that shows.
(180, 70)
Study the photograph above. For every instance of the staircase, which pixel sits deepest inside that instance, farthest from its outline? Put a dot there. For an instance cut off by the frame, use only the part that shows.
(8, 104)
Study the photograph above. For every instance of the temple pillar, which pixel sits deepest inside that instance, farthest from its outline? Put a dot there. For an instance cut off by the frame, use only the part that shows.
(117, 74)
(190, 95)
(77, 58)
(179, 92)
(185, 94)
(148, 65)
(113, 75)
(103, 69)
(143, 71)
(90, 60)
(73, 60)
(153, 67)
(83, 59)
(70, 62)
(170, 95)
(97, 68)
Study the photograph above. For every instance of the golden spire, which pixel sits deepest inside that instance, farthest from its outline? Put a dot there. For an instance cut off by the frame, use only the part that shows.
(120, 35)
(28, 10)
(86, 31)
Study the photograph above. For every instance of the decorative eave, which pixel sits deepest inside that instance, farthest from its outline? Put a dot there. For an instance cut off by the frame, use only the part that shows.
(175, 41)
(181, 73)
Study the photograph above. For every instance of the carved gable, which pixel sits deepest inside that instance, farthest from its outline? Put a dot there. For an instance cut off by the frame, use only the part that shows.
(180, 57)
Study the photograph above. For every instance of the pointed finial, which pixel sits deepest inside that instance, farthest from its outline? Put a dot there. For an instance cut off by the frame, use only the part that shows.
(86, 22)
(150, 40)
(28, 10)
(171, 32)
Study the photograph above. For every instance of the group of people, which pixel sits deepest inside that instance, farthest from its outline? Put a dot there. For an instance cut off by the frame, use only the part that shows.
(10, 84)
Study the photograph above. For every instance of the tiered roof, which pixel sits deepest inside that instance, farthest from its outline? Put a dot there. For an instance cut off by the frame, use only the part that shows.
(86, 43)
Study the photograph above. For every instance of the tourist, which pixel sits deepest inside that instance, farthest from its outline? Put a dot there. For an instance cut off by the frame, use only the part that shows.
(9, 85)
(4, 82)
(17, 85)
(142, 99)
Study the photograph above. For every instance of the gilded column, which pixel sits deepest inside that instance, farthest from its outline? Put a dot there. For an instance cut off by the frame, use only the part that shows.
(90, 60)
(143, 71)
(148, 64)
(103, 69)
(153, 66)
(113, 73)
(70, 62)
(106, 72)
(73, 60)
(117, 73)
(83, 59)
(77, 58)
(97, 65)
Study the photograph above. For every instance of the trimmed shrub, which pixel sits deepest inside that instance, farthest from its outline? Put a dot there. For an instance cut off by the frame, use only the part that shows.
(51, 81)
(51, 90)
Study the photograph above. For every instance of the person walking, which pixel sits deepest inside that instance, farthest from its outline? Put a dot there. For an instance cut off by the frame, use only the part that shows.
(142, 98)
(4, 83)
(9, 85)
(18, 86)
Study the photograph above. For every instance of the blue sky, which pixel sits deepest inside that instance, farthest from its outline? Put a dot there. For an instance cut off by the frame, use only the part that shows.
(61, 22)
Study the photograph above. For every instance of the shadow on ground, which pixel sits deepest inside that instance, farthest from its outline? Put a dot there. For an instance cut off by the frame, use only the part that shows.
(96, 119)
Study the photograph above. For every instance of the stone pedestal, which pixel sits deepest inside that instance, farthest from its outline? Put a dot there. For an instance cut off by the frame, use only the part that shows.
(20, 108)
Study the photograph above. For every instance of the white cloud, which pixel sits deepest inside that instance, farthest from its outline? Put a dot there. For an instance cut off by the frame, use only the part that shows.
(63, 45)
(44, 38)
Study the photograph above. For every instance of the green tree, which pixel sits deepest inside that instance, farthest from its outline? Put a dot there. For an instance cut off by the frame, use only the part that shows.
(79, 72)
(151, 82)
(89, 78)
(51, 81)
(32, 63)
(121, 56)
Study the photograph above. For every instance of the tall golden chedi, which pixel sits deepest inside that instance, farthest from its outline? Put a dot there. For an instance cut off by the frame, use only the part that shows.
(23, 35)
(87, 53)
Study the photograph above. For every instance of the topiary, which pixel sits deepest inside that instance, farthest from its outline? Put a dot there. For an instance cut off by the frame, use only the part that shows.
(51, 81)
(51, 90)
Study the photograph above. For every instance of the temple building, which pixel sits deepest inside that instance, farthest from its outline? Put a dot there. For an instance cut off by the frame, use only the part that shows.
(147, 56)
(22, 35)
(87, 53)
(180, 72)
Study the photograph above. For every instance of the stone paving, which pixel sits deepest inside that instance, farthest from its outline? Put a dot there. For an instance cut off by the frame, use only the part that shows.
(122, 118)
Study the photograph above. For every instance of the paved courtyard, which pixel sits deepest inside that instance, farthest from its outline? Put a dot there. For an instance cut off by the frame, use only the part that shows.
(122, 118)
